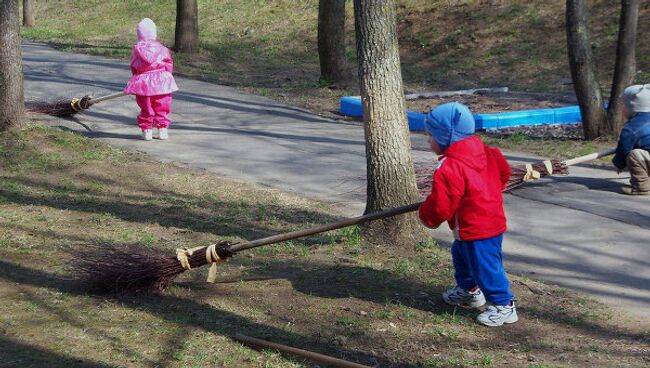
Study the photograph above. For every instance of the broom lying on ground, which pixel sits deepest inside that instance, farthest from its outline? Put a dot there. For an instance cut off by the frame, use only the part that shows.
(331, 361)
(113, 269)
(69, 107)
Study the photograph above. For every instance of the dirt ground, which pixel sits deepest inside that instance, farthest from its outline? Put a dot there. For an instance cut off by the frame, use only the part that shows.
(488, 103)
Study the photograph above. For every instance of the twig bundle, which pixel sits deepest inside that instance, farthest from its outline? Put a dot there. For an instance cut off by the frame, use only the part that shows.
(111, 268)
(69, 107)
(62, 107)
(519, 174)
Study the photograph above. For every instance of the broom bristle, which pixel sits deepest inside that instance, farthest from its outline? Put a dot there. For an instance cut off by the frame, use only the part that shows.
(518, 172)
(423, 175)
(60, 108)
(116, 269)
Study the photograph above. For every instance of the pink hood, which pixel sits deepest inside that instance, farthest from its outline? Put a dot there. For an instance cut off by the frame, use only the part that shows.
(146, 30)
(151, 64)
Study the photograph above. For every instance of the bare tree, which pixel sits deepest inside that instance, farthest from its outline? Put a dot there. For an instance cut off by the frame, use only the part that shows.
(581, 62)
(28, 13)
(625, 68)
(596, 121)
(331, 41)
(391, 178)
(187, 26)
(12, 105)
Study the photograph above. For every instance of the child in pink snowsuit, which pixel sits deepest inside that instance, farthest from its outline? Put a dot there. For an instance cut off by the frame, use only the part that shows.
(152, 82)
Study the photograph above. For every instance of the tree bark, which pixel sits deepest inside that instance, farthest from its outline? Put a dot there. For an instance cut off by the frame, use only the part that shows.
(28, 13)
(587, 89)
(625, 69)
(331, 41)
(390, 174)
(12, 105)
(187, 26)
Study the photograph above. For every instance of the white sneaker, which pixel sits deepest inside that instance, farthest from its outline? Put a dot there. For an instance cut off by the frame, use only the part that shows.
(464, 298)
(497, 315)
(163, 134)
(147, 134)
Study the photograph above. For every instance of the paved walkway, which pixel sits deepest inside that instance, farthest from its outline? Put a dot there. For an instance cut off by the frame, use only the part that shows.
(573, 231)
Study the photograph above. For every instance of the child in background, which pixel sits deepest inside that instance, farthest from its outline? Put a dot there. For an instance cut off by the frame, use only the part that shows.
(466, 192)
(152, 82)
(633, 150)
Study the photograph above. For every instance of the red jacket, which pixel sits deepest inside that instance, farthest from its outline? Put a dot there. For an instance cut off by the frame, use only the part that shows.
(466, 191)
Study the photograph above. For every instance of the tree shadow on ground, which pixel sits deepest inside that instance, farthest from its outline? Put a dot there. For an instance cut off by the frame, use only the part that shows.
(579, 266)
(343, 280)
(60, 74)
(340, 281)
(261, 70)
(149, 203)
(186, 312)
(19, 354)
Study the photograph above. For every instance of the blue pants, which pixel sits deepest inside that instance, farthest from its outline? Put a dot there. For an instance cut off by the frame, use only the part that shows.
(479, 262)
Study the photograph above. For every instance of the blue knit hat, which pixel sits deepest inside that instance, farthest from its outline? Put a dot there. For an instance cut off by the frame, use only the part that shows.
(449, 123)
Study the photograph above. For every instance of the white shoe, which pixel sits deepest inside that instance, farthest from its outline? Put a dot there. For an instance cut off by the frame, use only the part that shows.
(464, 298)
(497, 315)
(147, 134)
(163, 134)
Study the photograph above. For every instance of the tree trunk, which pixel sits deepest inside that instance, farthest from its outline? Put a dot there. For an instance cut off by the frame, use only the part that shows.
(331, 41)
(12, 105)
(391, 178)
(625, 68)
(187, 26)
(28, 13)
(586, 86)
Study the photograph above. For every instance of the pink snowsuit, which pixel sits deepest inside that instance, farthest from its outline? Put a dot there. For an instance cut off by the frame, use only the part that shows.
(152, 82)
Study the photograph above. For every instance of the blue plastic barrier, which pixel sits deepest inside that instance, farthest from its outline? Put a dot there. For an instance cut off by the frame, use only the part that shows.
(486, 121)
(569, 114)
(526, 117)
(351, 106)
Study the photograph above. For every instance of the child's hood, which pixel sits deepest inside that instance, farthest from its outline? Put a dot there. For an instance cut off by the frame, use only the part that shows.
(450, 123)
(470, 151)
(146, 30)
(149, 51)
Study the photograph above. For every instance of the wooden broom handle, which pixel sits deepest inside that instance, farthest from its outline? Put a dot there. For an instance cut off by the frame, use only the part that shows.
(334, 362)
(372, 216)
(95, 100)
(327, 227)
(589, 157)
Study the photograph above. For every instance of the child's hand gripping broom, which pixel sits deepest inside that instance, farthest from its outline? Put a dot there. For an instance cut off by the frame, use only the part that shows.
(107, 269)
(69, 107)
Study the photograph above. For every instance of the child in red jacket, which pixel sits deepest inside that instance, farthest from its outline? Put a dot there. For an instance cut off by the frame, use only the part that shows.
(466, 192)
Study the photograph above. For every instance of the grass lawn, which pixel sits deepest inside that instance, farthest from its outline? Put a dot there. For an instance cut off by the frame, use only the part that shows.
(330, 293)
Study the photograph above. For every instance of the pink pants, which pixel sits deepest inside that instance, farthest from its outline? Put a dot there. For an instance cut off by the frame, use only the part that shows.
(154, 111)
